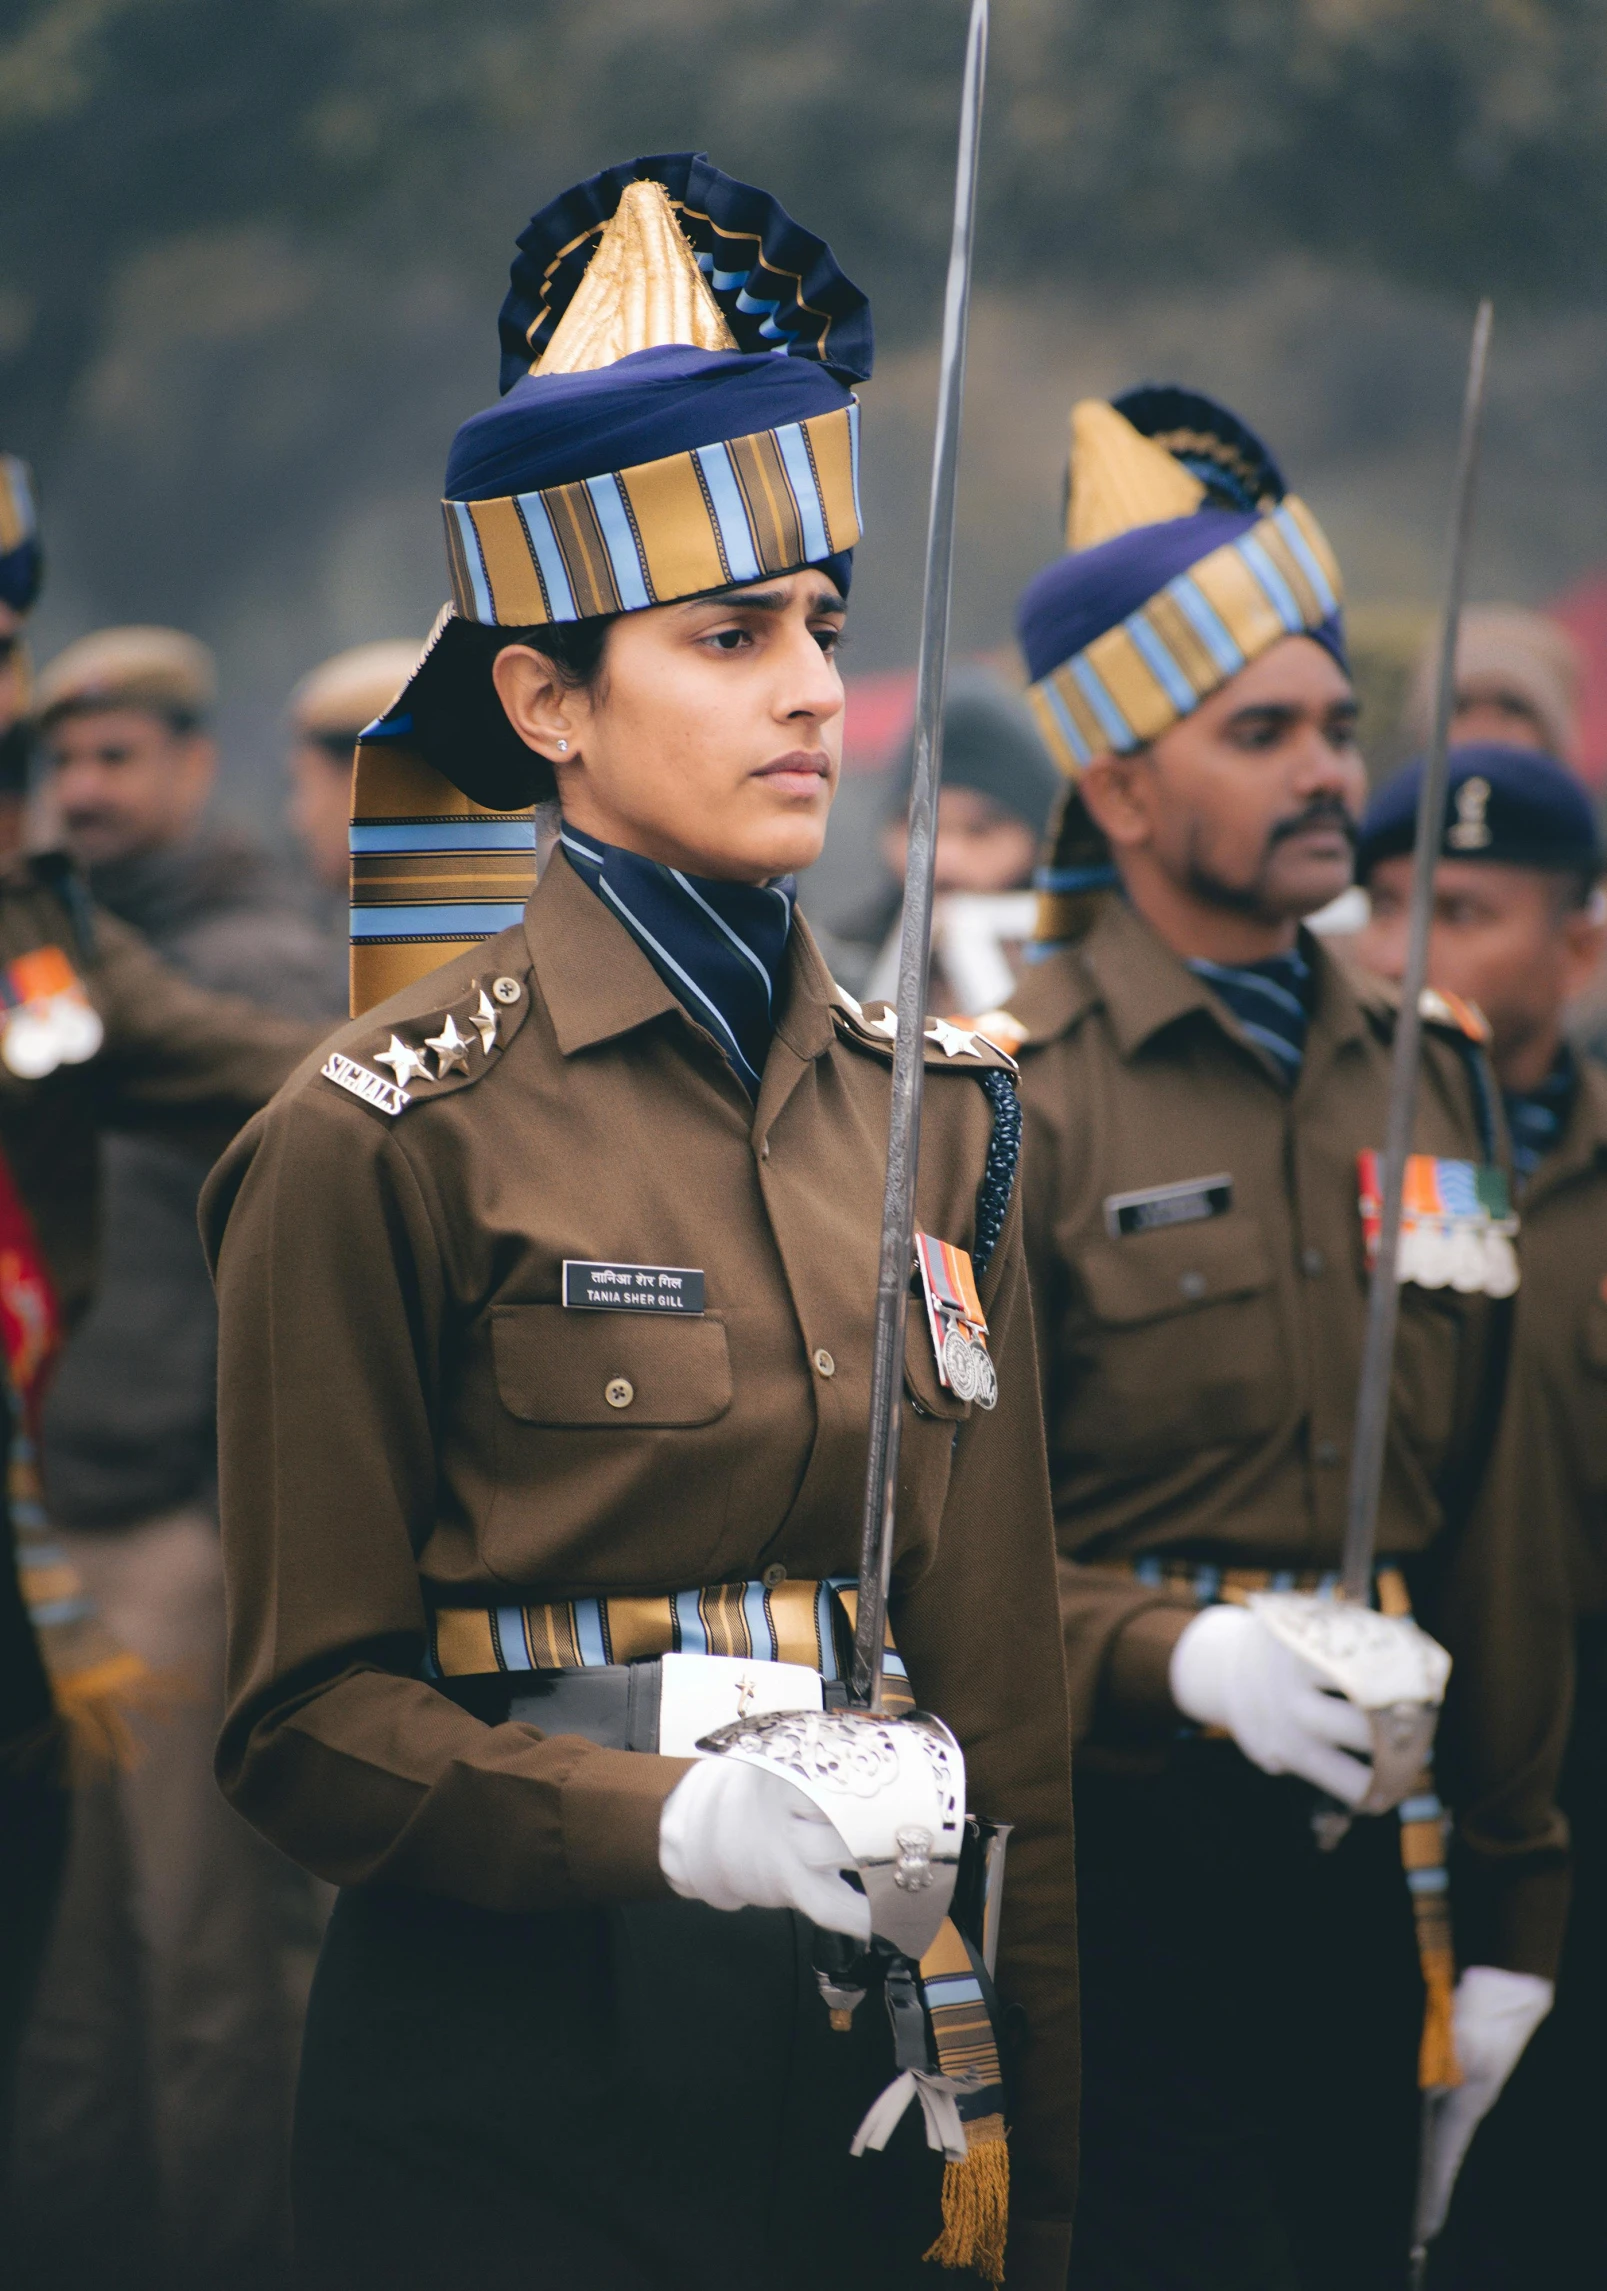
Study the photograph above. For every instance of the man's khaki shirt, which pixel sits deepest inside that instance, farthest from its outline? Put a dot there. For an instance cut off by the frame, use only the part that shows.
(410, 1416)
(176, 1062)
(1562, 1323)
(1200, 1379)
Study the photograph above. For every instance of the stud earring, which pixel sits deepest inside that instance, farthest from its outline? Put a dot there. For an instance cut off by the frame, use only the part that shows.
(563, 747)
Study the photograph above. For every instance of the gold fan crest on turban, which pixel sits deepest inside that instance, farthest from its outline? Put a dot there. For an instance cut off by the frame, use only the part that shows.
(1120, 479)
(642, 289)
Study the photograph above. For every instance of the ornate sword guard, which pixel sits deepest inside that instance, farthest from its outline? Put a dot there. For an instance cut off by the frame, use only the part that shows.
(893, 1787)
(1385, 1664)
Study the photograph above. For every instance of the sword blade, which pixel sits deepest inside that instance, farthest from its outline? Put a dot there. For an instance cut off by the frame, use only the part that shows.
(1383, 1301)
(904, 1123)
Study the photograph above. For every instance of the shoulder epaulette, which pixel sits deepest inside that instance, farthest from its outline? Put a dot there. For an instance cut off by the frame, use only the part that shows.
(1441, 1008)
(876, 1029)
(409, 1060)
(970, 1049)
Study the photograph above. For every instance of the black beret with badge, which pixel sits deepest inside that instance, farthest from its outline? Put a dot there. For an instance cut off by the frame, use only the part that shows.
(1514, 806)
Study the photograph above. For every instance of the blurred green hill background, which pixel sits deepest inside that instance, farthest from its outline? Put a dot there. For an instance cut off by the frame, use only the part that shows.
(253, 255)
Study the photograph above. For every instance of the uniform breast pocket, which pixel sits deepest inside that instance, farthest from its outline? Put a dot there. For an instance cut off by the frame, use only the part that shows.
(613, 1445)
(1588, 1415)
(1178, 1347)
(922, 1385)
(621, 1371)
(1428, 1351)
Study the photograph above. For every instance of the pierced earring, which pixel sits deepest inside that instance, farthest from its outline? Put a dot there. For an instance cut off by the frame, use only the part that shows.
(563, 747)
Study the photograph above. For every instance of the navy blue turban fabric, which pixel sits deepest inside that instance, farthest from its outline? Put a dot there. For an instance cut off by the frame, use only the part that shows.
(1079, 597)
(669, 473)
(22, 564)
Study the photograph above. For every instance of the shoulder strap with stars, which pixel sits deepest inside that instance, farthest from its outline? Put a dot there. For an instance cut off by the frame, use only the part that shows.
(990, 1061)
(391, 1068)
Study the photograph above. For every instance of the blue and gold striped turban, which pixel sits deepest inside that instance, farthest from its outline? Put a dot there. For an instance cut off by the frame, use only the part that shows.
(21, 564)
(1187, 558)
(677, 417)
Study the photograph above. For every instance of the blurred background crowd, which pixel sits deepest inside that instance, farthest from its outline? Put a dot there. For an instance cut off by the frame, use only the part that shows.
(246, 292)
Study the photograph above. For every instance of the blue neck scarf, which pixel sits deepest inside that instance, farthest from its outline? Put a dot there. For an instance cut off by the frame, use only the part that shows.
(1538, 1117)
(1271, 1001)
(718, 947)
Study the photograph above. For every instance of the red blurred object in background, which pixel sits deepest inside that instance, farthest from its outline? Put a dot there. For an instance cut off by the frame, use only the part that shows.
(1583, 613)
(877, 717)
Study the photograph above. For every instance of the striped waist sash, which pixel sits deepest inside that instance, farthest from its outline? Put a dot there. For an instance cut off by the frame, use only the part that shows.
(788, 1621)
(1422, 1817)
(954, 2043)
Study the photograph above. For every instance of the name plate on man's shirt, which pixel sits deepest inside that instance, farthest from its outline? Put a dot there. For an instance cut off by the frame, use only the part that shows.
(602, 1288)
(1188, 1203)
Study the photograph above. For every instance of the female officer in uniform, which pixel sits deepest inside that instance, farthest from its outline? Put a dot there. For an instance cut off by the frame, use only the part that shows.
(547, 1306)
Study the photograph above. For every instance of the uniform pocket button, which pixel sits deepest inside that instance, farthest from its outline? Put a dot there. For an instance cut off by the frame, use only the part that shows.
(824, 1362)
(1313, 1263)
(1193, 1286)
(774, 1576)
(1327, 1452)
(619, 1392)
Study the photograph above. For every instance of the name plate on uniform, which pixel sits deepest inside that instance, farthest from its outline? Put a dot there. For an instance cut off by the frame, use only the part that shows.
(603, 1288)
(1187, 1203)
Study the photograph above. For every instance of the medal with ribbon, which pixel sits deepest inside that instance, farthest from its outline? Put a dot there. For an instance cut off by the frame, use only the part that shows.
(47, 1017)
(957, 1322)
(1456, 1224)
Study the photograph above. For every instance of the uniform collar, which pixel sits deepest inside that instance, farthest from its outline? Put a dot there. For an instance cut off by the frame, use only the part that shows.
(1583, 1144)
(597, 983)
(1144, 987)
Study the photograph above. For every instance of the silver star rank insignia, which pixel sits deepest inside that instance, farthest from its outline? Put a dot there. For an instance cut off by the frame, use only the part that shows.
(403, 1061)
(451, 1050)
(484, 1020)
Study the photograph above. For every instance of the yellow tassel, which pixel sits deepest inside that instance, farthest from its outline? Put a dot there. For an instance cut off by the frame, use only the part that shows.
(1438, 2068)
(94, 1705)
(976, 2204)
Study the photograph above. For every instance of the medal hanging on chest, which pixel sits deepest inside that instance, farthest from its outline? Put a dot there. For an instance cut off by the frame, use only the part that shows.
(48, 1020)
(955, 1317)
(1456, 1224)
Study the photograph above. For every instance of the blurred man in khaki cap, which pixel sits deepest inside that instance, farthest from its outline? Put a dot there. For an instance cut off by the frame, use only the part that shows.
(328, 709)
(122, 717)
(158, 2051)
(1517, 683)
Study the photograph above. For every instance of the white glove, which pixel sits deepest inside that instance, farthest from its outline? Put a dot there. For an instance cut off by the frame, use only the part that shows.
(1228, 1670)
(738, 1838)
(1493, 2016)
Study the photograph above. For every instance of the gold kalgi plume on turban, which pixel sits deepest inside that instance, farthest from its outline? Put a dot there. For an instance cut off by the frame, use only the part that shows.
(1120, 478)
(642, 289)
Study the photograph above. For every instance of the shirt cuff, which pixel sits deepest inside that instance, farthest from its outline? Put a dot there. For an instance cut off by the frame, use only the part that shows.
(612, 1801)
(1509, 1917)
(1136, 1694)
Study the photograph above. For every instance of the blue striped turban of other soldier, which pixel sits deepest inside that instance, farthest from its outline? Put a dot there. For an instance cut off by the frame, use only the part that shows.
(1187, 558)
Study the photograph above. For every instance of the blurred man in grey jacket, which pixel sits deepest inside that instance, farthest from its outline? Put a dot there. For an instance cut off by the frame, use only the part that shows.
(154, 2092)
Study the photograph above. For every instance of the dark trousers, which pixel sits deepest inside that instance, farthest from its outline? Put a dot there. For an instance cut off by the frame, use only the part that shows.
(1529, 2205)
(33, 1846)
(623, 2098)
(1251, 2018)
(33, 1817)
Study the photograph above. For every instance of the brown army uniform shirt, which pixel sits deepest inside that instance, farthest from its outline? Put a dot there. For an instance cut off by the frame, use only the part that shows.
(176, 1061)
(1562, 1324)
(409, 1415)
(1200, 1380)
